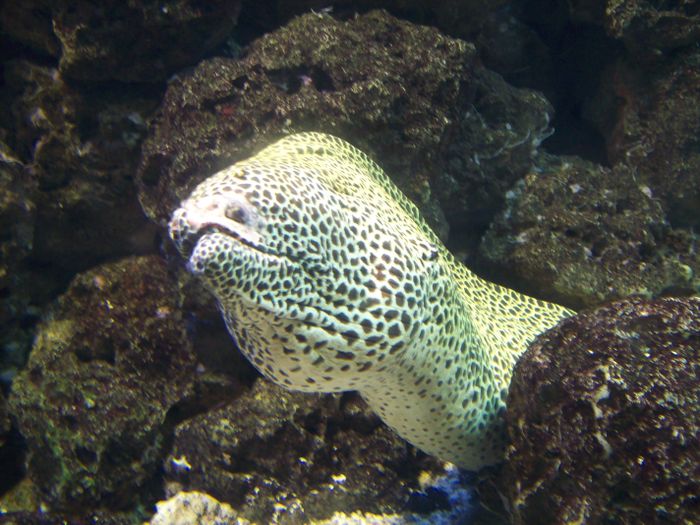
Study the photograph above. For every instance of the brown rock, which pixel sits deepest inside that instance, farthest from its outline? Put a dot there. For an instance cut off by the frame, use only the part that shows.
(604, 418)
(274, 454)
(5, 424)
(393, 100)
(17, 220)
(79, 151)
(136, 41)
(142, 41)
(650, 117)
(644, 26)
(29, 23)
(581, 234)
(414, 100)
(47, 518)
(110, 360)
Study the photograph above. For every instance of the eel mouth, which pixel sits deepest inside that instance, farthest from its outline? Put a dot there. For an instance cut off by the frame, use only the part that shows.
(189, 243)
(198, 219)
(209, 228)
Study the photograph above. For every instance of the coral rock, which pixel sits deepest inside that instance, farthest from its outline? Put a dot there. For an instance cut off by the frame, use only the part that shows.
(581, 234)
(274, 454)
(604, 418)
(415, 100)
(110, 360)
(186, 508)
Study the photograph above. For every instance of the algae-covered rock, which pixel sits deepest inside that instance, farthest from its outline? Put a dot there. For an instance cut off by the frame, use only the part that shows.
(30, 24)
(10, 452)
(393, 100)
(655, 128)
(459, 18)
(50, 518)
(646, 27)
(5, 424)
(604, 418)
(581, 234)
(186, 508)
(79, 150)
(110, 360)
(68, 201)
(414, 100)
(273, 453)
(17, 219)
(17, 211)
(490, 145)
(135, 41)
(139, 41)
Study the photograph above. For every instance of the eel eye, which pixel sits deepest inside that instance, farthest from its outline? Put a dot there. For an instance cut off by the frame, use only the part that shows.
(236, 213)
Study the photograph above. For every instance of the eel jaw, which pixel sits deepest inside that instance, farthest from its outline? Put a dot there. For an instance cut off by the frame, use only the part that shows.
(229, 215)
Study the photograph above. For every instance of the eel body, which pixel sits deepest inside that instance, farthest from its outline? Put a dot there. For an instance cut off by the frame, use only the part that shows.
(330, 280)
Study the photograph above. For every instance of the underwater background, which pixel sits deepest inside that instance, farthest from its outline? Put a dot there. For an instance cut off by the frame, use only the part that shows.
(554, 146)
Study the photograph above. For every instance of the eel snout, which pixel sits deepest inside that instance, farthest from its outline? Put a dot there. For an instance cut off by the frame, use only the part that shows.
(230, 215)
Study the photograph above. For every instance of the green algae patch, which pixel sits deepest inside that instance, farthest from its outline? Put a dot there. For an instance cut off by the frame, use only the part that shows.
(109, 361)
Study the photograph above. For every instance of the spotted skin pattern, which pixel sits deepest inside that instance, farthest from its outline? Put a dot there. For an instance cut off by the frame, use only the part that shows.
(330, 280)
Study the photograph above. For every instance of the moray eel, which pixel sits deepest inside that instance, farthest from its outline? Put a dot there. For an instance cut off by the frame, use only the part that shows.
(329, 280)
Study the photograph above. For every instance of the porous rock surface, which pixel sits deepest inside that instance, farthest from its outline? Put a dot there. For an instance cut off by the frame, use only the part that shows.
(451, 16)
(5, 424)
(17, 217)
(581, 234)
(655, 128)
(395, 96)
(68, 198)
(78, 150)
(47, 518)
(644, 26)
(110, 360)
(9, 463)
(138, 41)
(186, 508)
(414, 100)
(278, 456)
(604, 418)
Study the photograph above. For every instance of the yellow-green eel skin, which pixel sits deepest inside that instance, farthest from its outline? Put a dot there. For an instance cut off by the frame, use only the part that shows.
(330, 280)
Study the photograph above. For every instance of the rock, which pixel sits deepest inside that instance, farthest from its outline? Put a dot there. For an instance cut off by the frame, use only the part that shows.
(414, 100)
(30, 24)
(46, 518)
(143, 41)
(490, 145)
(287, 457)
(460, 18)
(512, 48)
(11, 470)
(645, 27)
(139, 41)
(186, 508)
(581, 234)
(68, 198)
(79, 151)
(395, 96)
(32, 518)
(654, 128)
(111, 359)
(604, 418)
(17, 219)
(5, 424)
(197, 507)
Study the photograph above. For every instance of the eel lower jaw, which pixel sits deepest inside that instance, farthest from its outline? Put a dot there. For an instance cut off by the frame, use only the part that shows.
(189, 247)
(195, 220)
